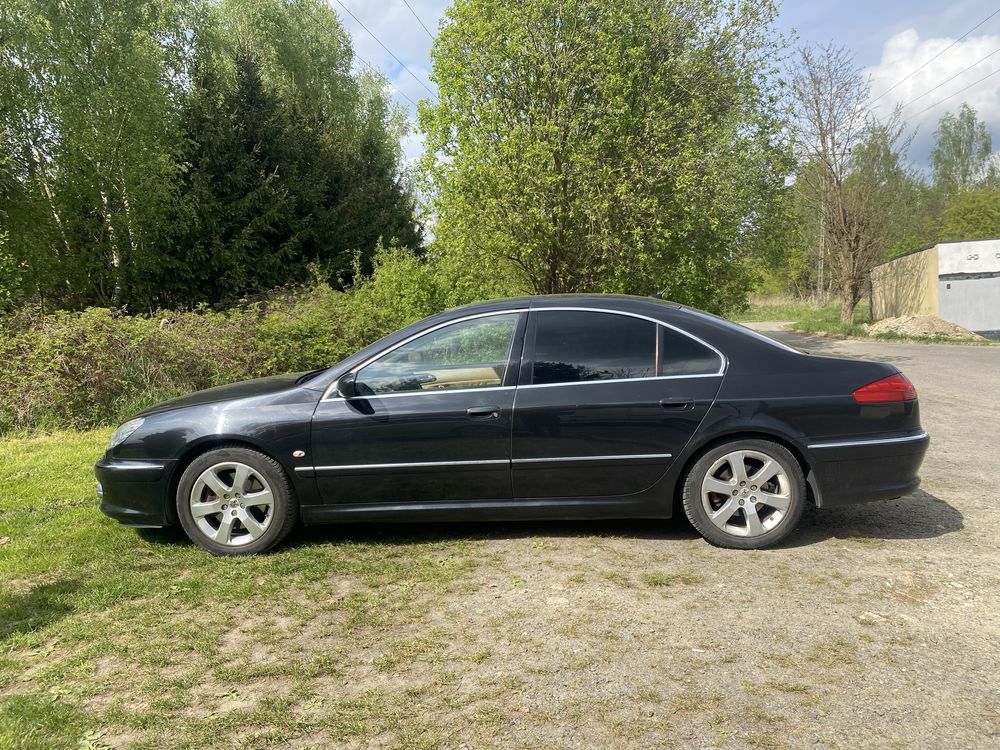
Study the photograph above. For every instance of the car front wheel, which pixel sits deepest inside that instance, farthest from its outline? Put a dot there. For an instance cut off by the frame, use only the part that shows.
(235, 501)
(745, 494)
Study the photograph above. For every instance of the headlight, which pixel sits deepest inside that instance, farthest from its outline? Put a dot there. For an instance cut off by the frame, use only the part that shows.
(123, 432)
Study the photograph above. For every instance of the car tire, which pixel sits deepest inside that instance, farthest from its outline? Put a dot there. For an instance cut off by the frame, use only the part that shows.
(236, 501)
(751, 509)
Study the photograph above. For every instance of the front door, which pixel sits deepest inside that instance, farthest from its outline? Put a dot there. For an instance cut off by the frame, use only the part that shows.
(431, 422)
(605, 402)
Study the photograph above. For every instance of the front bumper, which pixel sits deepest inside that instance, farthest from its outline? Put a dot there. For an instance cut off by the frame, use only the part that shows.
(844, 472)
(135, 493)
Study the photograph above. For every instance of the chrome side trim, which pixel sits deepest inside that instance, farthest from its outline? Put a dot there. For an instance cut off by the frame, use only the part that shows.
(332, 388)
(591, 458)
(408, 465)
(125, 464)
(876, 441)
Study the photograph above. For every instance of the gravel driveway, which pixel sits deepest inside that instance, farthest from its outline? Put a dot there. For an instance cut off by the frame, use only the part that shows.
(876, 626)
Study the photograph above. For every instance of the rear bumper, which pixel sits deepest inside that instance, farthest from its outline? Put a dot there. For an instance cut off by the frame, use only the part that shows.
(134, 493)
(848, 471)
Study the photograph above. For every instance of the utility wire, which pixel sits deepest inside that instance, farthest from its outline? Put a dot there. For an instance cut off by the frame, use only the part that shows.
(918, 69)
(950, 96)
(402, 64)
(949, 80)
(384, 77)
(407, 4)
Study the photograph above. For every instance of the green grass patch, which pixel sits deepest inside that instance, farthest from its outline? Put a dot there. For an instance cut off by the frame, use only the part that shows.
(775, 309)
(112, 637)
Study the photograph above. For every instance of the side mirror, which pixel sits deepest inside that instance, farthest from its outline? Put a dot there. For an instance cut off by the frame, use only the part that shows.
(346, 386)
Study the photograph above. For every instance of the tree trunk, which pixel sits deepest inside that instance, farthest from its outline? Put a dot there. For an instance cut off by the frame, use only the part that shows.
(847, 306)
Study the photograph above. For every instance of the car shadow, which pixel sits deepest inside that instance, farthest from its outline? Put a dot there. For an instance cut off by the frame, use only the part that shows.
(919, 515)
(916, 516)
(36, 608)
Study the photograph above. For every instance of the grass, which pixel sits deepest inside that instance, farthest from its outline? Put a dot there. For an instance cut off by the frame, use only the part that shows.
(825, 320)
(112, 638)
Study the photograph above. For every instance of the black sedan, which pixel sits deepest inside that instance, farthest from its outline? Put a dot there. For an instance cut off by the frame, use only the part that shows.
(537, 408)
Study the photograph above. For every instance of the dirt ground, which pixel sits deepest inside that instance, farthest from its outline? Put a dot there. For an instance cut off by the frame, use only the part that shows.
(876, 626)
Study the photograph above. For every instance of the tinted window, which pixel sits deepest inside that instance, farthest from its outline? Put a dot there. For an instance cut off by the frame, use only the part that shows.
(469, 354)
(572, 347)
(682, 355)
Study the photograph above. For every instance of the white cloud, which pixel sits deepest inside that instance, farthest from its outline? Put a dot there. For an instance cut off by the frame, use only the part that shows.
(906, 51)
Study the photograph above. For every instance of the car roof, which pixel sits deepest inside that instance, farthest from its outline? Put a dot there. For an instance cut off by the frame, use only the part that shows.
(623, 302)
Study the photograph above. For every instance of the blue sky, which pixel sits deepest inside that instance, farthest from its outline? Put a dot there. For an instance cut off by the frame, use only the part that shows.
(890, 39)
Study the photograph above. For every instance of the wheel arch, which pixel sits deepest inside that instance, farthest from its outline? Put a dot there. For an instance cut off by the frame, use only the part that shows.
(200, 448)
(746, 433)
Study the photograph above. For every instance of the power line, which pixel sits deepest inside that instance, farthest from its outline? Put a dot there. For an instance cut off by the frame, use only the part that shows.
(407, 4)
(950, 96)
(918, 69)
(383, 76)
(402, 64)
(949, 80)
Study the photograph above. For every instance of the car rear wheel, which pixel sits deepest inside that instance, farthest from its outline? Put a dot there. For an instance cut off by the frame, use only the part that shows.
(745, 494)
(235, 501)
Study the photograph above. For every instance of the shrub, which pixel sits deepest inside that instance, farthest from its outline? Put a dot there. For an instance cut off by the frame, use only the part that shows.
(97, 367)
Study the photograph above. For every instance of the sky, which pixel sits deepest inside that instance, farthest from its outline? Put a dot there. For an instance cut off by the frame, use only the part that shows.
(889, 38)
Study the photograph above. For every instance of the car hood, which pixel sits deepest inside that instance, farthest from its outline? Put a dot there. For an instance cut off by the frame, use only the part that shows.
(243, 389)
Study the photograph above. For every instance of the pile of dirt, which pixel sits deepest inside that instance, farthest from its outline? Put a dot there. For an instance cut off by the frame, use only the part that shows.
(922, 326)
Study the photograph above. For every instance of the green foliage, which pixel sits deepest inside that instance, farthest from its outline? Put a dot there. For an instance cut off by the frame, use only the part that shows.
(98, 367)
(961, 157)
(593, 146)
(171, 152)
(970, 215)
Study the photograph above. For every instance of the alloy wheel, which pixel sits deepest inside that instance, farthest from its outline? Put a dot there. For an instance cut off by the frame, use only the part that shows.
(232, 503)
(746, 493)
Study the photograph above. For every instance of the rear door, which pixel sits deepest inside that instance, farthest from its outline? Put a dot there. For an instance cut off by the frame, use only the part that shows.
(431, 422)
(604, 402)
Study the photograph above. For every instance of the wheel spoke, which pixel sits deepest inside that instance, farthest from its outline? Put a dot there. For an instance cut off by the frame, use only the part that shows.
(737, 461)
(754, 526)
(214, 483)
(240, 479)
(778, 502)
(721, 517)
(200, 510)
(252, 525)
(259, 499)
(719, 486)
(225, 531)
(766, 473)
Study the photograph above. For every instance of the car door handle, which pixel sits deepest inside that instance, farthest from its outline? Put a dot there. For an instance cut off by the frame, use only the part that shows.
(483, 412)
(677, 404)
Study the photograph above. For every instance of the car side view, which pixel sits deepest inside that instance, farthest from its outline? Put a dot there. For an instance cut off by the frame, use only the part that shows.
(550, 407)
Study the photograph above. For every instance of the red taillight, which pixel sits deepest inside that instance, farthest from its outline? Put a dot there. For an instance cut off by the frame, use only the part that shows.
(893, 388)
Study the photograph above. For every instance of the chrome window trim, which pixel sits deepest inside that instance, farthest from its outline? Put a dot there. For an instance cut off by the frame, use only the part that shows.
(332, 388)
(621, 457)
(331, 392)
(723, 360)
(617, 380)
(873, 441)
(436, 391)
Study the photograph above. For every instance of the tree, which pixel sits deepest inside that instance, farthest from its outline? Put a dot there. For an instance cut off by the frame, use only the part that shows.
(855, 174)
(971, 215)
(961, 158)
(590, 146)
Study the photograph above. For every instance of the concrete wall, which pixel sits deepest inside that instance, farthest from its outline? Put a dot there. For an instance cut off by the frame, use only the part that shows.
(982, 256)
(906, 286)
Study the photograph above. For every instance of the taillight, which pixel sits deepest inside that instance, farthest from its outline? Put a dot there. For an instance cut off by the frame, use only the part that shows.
(893, 388)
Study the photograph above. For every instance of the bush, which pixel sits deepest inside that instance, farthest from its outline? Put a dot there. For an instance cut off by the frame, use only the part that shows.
(98, 367)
